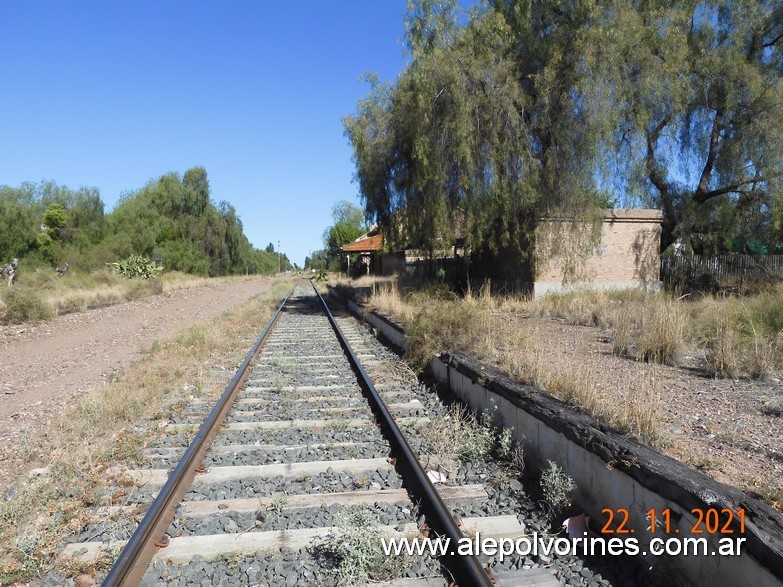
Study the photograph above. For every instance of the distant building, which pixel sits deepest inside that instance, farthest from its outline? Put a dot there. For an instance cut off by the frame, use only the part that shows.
(368, 247)
(626, 255)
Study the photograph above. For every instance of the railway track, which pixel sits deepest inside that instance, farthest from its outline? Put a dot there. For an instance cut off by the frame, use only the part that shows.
(306, 461)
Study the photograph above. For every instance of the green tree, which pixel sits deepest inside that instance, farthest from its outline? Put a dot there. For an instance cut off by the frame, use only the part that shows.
(55, 219)
(348, 225)
(698, 87)
(522, 109)
(183, 255)
(171, 216)
(463, 143)
(86, 218)
(19, 224)
(196, 187)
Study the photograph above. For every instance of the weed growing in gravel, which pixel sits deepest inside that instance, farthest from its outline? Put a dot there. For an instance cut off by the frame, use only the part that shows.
(339, 425)
(358, 549)
(362, 482)
(505, 443)
(557, 488)
(278, 503)
(478, 437)
(278, 382)
(284, 365)
(517, 458)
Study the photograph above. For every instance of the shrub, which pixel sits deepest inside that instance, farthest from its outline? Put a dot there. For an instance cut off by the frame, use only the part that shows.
(358, 549)
(136, 266)
(651, 329)
(661, 332)
(742, 337)
(557, 488)
(25, 304)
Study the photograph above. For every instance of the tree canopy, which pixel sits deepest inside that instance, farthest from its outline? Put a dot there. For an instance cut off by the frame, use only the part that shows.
(348, 225)
(521, 108)
(171, 217)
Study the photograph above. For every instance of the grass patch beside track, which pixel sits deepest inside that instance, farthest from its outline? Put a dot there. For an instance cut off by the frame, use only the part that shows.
(736, 337)
(111, 426)
(42, 295)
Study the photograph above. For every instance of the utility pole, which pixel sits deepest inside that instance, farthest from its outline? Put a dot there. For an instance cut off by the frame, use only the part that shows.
(279, 258)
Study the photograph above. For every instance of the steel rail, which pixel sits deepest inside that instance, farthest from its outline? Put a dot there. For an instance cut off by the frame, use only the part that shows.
(134, 559)
(466, 570)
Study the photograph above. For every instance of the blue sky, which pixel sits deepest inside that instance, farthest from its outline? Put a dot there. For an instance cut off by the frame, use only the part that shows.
(112, 94)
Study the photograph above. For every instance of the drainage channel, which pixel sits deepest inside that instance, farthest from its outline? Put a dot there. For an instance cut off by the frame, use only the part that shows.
(291, 480)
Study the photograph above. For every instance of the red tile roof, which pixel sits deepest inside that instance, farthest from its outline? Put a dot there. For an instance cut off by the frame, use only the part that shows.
(369, 244)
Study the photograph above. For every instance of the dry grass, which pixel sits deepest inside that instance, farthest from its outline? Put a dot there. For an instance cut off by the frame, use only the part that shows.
(742, 336)
(41, 295)
(111, 426)
(651, 329)
(632, 406)
(490, 327)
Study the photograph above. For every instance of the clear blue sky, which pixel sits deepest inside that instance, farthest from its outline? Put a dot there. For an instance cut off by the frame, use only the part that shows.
(112, 94)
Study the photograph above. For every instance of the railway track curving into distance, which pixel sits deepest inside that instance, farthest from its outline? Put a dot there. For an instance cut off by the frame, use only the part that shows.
(321, 444)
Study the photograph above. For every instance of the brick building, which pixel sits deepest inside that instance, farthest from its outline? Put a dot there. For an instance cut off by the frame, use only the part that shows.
(627, 255)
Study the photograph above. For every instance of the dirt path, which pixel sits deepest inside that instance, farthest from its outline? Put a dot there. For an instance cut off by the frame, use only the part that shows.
(44, 367)
(715, 425)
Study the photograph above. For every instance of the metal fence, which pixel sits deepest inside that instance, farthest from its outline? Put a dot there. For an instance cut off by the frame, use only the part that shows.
(727, 270)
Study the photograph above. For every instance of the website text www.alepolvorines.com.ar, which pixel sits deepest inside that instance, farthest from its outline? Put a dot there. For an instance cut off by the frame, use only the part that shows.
(536, 544)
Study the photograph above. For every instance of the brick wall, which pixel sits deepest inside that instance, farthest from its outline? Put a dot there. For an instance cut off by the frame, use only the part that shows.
(627, 254)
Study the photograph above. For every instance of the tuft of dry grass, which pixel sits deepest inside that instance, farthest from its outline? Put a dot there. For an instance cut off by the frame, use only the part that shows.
(110, 426)
(22, 303)
(741, 336)
(583, 307)
(647, 330)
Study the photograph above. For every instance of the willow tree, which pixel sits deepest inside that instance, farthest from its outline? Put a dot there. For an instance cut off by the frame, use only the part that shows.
(697, 90)
(528, 109)
(461, 144)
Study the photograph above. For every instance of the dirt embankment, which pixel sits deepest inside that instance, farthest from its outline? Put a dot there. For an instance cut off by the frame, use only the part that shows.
(45, 367)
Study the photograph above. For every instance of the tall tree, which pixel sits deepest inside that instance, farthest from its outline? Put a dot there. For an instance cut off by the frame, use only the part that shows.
(701, 132)
(19, 224)
(527, 108)
(483, 133)
(348, 225)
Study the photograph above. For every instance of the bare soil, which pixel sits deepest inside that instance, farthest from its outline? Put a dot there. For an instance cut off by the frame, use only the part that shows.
(715, 425)
(45, 367)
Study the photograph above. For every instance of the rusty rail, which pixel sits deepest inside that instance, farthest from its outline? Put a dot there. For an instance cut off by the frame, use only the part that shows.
(134, 559)
(465, 569)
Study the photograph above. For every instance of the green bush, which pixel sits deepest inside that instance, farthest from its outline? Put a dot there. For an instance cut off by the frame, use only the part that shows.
(136, 266)
(25, 304)
(183, 255)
